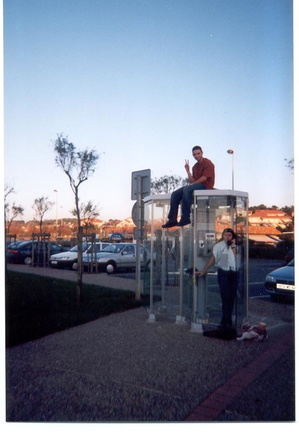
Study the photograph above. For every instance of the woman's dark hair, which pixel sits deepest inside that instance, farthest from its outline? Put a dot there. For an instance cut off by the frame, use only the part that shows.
(229, 230)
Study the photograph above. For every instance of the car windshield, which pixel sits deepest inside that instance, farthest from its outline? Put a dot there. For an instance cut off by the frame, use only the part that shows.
(84, 247)
(113, 248)
(291, 263)
(14, 244)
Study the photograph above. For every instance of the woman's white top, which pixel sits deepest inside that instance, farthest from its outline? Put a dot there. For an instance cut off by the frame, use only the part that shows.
(225, 258)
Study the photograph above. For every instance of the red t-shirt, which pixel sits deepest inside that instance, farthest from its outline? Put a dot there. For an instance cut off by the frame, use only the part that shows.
(205, 168)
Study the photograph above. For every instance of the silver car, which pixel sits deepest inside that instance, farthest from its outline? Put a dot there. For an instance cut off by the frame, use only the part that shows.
(117, 256)
(69, 259)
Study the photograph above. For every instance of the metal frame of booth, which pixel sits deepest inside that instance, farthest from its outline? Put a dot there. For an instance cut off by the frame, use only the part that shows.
(193, 246)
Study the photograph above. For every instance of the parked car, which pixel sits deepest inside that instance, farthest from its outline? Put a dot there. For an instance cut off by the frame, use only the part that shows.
(116, 237)
(117, 256)
(14, 244)
(21, 253)
(281, 281)
(289, 255)
(69, 259)
(89, 256)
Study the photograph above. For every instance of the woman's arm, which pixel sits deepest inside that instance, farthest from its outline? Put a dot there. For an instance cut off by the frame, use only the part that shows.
(208, 265)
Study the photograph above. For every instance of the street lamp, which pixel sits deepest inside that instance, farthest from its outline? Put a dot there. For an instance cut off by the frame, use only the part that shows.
(230, 151)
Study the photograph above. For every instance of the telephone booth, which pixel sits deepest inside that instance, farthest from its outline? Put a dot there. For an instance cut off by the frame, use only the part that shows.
(175, 290)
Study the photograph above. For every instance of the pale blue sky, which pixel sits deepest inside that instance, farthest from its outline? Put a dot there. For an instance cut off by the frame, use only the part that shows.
(142, 82)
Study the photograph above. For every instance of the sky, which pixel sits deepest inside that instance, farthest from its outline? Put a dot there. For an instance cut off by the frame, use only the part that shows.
(142, 82)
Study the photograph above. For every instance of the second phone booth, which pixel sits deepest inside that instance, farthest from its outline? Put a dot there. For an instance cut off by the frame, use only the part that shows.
(173, 255)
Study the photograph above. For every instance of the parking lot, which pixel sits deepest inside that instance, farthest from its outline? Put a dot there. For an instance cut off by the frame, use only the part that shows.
(258, 270)
(172, 379)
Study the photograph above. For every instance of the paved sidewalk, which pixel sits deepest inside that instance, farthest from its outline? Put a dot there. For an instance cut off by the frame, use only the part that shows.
(102, 279)
(122, 368)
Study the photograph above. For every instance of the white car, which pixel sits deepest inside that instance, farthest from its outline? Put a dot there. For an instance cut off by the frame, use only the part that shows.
(69, 259)
(117, 256)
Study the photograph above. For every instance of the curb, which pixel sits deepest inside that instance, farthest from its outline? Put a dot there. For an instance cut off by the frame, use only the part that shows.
(211, 407)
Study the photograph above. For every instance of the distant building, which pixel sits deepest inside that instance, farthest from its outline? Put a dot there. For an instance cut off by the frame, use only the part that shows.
(275, 218)
(263, 234)
(126, 223)
(264, 226)
(94, 222)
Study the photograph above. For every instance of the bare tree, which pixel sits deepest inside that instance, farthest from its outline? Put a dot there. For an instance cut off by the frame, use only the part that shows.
(77, 165)
(11, 212)
(41, 206)
(8, 190)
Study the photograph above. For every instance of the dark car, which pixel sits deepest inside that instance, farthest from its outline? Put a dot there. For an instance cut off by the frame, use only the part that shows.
(25, 252)
(14, 244)
(116, 237)
(281, 281)
(289, 255)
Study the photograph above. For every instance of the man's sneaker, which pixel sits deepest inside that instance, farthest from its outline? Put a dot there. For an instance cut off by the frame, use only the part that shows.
(184, 222)
(170, 224)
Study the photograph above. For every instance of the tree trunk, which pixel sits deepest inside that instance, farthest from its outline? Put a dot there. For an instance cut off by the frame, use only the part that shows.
(79, 295)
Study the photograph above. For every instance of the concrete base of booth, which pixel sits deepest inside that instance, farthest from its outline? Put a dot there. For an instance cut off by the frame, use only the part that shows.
(151, 318)
(180, 320)
(196, 327)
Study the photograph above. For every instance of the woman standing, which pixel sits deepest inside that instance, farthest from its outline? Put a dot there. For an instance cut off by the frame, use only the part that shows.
(224, 258)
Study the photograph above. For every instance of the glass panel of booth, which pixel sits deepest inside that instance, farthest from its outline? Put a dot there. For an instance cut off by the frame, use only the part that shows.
(211, 215)
(162, 275)
(174, 253)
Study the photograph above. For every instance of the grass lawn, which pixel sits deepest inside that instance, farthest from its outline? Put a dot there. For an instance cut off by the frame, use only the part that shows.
(37, 306)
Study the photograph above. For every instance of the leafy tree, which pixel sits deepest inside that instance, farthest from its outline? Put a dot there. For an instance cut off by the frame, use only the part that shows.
(41, 206)
(167, 184)
(78, 166)
(88, 212)
(259, 207)
(113, 222)
(288, 210)
(290, 164)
